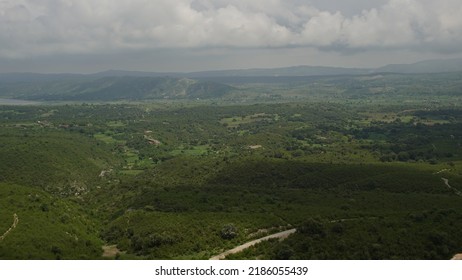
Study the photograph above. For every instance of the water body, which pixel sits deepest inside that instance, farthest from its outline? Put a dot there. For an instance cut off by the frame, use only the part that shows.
(6, 101)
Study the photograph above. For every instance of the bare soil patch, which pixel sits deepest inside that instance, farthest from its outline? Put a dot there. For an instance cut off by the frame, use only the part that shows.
(110, 251)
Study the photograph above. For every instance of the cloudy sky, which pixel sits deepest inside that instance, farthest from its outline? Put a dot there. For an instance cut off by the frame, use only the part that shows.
(190, 35)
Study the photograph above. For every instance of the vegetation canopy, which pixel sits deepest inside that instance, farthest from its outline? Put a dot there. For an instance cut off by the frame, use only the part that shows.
(360, 166)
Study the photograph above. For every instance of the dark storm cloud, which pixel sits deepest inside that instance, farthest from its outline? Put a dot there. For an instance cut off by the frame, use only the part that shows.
(39, 28)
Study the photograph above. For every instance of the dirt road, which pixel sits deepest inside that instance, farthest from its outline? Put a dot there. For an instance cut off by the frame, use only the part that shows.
(456, 191)
(13, 226)
(280, 235)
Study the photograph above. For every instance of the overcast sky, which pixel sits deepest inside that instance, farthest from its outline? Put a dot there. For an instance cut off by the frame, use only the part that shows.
(190, 35)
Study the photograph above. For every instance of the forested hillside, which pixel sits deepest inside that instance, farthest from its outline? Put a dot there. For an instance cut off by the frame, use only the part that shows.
(113, 89)
(365, 179)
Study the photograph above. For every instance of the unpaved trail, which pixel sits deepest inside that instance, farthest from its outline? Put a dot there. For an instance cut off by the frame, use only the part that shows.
(352, 219)
(13, 226)
(456, 191)
(280, 235)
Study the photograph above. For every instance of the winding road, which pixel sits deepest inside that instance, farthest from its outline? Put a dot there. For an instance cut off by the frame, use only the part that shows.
(456, 191)
(280, 235)
(13, 226)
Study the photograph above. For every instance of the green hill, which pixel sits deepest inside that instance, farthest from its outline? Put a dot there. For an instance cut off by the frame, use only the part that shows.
(44, 227)
(58, 161)
(114, 88)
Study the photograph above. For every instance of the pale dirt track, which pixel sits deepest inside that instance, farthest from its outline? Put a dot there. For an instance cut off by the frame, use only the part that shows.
(280, 235)
(13, 226)
(456, 191)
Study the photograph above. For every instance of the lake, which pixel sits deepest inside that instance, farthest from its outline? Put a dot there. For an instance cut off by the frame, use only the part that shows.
(6, 101)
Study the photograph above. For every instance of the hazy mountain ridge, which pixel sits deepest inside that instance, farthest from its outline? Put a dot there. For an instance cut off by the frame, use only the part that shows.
(427, 66)
(115, 85)
(115, 88)
(301, 70)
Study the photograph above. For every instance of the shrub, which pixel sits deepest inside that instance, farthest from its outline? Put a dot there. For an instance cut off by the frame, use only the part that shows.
(228, 232)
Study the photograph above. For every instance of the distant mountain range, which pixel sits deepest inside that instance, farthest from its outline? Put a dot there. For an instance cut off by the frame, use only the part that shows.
(136, 85)
(112, 88)
(427, 66)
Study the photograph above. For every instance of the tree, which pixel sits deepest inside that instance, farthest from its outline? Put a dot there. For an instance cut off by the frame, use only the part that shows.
(228, 232)
(313, 227)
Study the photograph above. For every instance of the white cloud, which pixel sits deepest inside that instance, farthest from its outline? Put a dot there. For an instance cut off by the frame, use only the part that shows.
(43, 27)
(322, 29)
